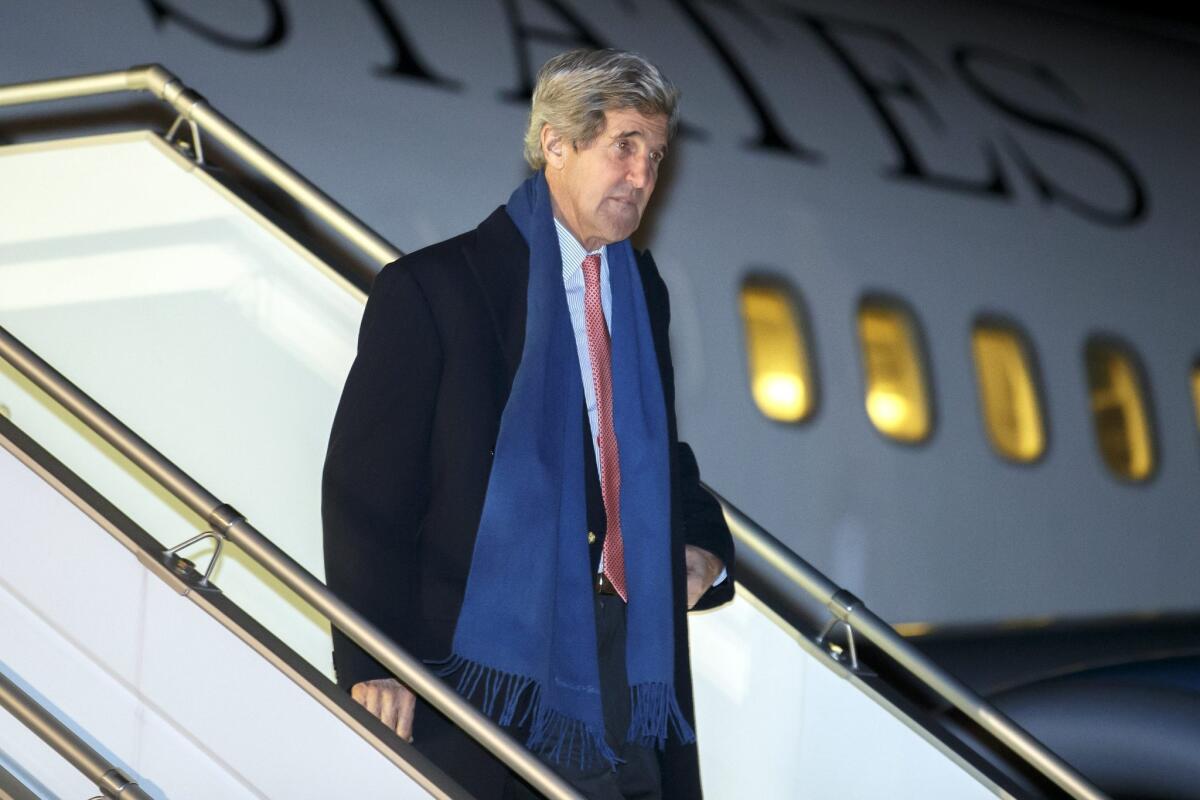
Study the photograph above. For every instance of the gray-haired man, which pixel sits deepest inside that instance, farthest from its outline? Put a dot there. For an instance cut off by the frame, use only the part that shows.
(505, 492)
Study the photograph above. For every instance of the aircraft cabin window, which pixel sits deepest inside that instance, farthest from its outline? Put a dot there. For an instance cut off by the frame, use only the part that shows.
(1196, 389)
(896, 393)
(777, 350)
(1008, 392)
(1123, 426)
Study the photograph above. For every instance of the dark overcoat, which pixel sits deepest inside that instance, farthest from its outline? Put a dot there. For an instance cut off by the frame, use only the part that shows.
(411, 450)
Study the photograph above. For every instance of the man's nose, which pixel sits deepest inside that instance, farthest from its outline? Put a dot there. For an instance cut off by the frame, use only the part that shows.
(641, 172)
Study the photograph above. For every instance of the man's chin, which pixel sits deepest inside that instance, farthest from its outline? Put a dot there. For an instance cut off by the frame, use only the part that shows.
(622, 228)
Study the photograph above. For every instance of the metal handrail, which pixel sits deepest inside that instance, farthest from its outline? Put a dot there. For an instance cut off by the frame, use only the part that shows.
(234, 527)
(191, 106)
(753, 540)
(96, 768)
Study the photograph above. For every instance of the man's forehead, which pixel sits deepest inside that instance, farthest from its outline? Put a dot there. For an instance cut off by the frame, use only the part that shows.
(624, 122)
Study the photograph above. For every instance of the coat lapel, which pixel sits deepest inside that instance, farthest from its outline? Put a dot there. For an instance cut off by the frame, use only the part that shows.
(499, 259)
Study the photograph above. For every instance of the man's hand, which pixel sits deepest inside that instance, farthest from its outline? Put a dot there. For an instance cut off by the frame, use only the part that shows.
(702, 569)
(389, 700)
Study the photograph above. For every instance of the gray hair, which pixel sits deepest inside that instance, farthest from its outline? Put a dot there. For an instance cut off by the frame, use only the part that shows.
(575, 88)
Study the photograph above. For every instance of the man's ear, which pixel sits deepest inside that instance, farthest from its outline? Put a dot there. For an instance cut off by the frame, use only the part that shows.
(553, 147)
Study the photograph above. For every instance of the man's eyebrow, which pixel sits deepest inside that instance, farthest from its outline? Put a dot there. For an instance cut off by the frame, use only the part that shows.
(629, 134)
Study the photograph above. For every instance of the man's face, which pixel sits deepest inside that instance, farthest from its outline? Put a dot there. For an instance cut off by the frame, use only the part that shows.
(601, 189)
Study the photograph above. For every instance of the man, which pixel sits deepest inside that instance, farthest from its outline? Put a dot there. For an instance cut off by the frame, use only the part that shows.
(505, 494)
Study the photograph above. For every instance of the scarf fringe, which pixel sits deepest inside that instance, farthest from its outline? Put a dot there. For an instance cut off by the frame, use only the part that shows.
(499, 688)
(560, 738)
(654, 707)
(552, 734)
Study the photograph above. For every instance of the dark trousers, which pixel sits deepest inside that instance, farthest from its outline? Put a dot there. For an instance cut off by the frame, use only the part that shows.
(483, 776)
(636, 779)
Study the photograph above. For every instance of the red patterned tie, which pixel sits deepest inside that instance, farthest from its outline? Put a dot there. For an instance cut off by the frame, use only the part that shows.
(610, 463)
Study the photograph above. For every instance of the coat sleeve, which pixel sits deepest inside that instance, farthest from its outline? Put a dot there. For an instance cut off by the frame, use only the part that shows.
(375, 487)
(703, 521)
(704, 526)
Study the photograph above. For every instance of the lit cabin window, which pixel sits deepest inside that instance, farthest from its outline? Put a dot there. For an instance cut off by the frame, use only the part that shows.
(1196, 390)
(893, 369)
(1119, 411)
(776, 351)
(1008, 394)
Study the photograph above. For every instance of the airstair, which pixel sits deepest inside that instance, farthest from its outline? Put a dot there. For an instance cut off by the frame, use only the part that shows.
(171, 353)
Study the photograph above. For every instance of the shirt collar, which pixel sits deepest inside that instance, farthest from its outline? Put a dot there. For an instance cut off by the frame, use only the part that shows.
(572, 251)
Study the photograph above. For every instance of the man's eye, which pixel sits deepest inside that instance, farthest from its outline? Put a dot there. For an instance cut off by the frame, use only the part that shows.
(657, 157)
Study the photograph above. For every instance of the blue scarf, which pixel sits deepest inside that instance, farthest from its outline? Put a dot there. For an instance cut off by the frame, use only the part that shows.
(527, 626)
